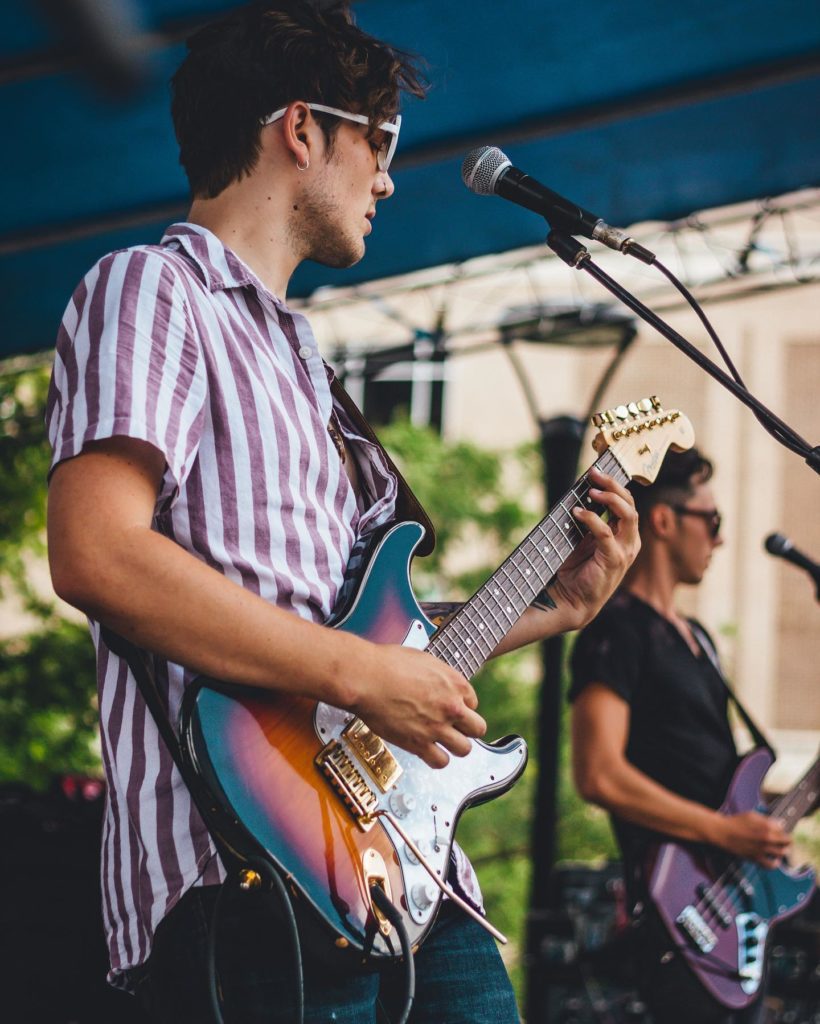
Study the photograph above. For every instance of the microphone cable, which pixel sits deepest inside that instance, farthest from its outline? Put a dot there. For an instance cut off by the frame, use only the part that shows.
(779, 430)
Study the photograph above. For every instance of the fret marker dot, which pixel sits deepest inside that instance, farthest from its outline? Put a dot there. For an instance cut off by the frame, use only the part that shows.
(496, 592)
(509, 608)
(527, 572)
(481, 626)
(566, 526)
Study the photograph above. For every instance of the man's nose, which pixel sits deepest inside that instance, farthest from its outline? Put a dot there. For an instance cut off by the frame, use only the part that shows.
(383, 186)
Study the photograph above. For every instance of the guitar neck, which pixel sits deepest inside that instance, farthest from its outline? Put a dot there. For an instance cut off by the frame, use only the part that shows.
(800, 801)
(474, 632)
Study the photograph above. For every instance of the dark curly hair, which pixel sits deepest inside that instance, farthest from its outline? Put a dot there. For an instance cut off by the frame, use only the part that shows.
(264, 56)
(680, 473)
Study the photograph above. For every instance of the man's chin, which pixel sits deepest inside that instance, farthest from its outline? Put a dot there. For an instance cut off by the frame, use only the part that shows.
(340, 259)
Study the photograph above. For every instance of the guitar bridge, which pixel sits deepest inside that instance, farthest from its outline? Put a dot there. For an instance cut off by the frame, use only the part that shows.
(373, 754)
(347, 780)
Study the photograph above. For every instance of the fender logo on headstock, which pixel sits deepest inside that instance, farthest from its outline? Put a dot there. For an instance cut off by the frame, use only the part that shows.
(626, 429)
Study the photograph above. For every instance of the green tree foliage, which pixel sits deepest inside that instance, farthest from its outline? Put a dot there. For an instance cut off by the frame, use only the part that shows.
(24, 459)
(48, 713)
(47, 690)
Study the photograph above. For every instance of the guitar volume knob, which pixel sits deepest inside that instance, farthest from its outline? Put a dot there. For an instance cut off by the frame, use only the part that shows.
(402, 804)
(423, 894)
(424, 846)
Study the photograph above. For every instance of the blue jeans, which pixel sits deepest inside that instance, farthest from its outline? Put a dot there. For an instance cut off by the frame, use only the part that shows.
(460, 978)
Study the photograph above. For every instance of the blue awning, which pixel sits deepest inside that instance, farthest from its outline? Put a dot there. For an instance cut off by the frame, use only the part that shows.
(637, 111)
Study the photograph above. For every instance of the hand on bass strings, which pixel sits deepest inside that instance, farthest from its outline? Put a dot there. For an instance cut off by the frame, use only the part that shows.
(754, 836)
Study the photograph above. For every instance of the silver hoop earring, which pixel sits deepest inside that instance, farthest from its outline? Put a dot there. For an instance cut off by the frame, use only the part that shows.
(299, 166)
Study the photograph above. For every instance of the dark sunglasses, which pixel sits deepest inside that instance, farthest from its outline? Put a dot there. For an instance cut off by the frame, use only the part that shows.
(710, 516)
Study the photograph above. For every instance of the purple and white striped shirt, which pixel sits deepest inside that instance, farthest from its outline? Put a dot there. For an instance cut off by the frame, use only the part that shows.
(182, 346)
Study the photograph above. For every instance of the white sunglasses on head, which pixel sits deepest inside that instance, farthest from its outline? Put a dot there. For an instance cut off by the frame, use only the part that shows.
(386, 150)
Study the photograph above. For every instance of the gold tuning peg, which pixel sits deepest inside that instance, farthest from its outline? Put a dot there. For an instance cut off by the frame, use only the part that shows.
(609, 416)
(656, 403)
(632, 409)
(621, 412)
(598, 419)
(645, 405)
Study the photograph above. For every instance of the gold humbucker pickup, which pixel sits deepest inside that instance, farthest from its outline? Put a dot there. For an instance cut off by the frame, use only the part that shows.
(374, 755)
(359, 798)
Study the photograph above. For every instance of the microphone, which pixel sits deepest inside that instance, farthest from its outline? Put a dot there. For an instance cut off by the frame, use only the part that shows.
(487, 171)
(781, 547)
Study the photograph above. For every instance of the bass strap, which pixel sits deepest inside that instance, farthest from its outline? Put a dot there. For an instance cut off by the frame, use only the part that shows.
(709, 650)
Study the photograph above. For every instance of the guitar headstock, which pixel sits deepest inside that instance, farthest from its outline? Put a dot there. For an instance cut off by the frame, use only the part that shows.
(640, 434)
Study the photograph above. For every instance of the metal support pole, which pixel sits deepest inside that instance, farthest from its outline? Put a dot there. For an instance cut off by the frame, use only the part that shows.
(560, 450)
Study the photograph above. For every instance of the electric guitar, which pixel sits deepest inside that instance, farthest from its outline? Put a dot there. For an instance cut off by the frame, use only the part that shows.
(719, 909)
(335, 809)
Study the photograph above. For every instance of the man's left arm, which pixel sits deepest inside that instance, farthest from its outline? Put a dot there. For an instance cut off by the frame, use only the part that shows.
(591, 574)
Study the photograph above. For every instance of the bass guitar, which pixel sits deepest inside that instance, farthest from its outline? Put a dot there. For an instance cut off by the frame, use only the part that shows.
(719, 910)
(332, 807)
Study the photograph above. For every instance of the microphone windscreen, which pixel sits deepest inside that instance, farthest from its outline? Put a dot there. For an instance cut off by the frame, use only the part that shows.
(481, 169)
(777, 544)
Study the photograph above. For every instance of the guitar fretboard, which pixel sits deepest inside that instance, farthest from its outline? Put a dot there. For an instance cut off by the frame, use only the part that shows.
(468, 639)
(801, 800)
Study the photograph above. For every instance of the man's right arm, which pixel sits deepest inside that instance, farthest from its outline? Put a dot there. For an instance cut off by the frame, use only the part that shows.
(107, 561)
(604, 776)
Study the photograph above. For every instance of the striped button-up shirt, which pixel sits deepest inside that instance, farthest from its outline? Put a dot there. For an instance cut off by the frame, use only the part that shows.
(181, 345)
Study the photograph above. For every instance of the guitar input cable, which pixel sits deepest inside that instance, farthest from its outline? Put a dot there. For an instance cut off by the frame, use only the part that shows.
(385, 905)
(270, 885)
(277, 894)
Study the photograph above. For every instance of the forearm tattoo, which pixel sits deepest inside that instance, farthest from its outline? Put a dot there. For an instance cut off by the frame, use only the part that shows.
(544, 601)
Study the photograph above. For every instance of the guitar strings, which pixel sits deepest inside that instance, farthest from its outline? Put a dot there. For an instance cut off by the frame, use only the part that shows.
(468, 639)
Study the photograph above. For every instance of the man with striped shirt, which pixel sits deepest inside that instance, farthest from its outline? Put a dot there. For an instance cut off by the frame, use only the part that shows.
(207, 491)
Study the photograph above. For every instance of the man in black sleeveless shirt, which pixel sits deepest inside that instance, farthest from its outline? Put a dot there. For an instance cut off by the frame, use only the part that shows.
(651, 737)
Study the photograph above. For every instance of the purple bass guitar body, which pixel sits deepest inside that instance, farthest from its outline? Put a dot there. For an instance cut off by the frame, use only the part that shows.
(719, 909)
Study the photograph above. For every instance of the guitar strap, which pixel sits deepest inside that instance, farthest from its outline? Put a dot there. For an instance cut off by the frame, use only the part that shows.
(139, 661)
(408, 507)
(708, 649)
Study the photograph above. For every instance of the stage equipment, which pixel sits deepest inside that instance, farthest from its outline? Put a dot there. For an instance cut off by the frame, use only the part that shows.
(55, 959)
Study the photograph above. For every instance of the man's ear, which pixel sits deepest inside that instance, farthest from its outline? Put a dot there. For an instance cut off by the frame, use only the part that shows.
(661, 520)
(297, 130)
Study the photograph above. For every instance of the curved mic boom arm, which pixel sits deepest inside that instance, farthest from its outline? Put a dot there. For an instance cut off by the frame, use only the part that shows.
(577, 256)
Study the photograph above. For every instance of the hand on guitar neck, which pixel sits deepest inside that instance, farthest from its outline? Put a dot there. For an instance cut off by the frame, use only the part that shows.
(591, 574)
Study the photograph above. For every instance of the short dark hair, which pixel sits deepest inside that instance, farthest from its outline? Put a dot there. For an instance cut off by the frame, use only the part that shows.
(263, 56)
(676, 481)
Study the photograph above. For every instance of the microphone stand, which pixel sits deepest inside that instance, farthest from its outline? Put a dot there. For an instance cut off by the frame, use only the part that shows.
(577, 256)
